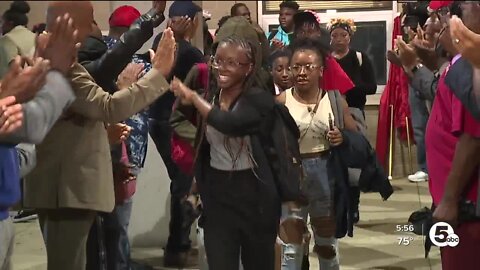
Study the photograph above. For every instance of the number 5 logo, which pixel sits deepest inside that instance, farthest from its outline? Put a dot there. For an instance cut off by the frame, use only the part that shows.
(442, 235)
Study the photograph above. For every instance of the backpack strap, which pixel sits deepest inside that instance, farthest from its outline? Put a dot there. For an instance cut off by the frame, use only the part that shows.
(337, 107)
(203, 75)
(359, 58)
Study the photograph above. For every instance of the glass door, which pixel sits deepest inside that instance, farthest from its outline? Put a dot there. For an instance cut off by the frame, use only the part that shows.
(374, 29)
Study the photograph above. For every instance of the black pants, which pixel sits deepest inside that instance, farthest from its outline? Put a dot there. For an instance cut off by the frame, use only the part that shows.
(236, 223)
(179, 237)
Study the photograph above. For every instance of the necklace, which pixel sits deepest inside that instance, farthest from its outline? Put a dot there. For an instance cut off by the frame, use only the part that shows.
(309, 108)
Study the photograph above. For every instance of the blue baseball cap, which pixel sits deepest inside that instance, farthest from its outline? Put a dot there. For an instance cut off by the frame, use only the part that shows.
(183, 8)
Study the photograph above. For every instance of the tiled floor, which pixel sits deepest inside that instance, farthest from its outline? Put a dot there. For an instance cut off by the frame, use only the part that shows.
(374, 246)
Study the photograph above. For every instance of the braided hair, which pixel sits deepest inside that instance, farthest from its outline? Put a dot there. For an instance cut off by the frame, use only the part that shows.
(250, 81)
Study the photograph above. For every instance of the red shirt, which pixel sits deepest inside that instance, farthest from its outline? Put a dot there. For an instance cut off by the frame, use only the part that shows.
(334, 78)
(448, 120)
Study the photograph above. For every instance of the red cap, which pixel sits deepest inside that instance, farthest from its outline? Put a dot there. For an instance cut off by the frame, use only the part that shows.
(123, 16)
(434, 5)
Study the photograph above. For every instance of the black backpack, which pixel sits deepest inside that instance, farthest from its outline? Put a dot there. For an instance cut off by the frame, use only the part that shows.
(282, 150)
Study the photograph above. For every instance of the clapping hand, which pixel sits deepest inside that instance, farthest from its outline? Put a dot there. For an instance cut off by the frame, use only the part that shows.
(408, 56)
(24, 83)
(393, 58)
(164, 59)
(59, 45)
(11, 115)
(425, 50)
(465, 41)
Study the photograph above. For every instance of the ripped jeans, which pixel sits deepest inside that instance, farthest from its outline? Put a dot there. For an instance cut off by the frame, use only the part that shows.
(319, 190)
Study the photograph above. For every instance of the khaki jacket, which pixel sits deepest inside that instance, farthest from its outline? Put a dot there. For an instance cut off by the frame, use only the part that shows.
(73, 163)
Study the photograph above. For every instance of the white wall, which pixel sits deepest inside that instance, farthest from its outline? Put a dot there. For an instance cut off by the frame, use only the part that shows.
(151, 203)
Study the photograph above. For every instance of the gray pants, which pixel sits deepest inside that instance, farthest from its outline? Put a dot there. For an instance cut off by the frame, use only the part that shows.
(420, 115)
(7, 235)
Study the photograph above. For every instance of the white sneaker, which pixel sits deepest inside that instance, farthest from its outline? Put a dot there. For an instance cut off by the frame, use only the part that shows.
(418, 177)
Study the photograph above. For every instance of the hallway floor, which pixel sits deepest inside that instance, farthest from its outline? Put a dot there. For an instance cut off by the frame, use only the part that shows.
(375, 244)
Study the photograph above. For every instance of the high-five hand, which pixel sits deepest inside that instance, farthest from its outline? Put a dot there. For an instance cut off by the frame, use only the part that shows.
(182, 92)
(129, 75)
(164, 58)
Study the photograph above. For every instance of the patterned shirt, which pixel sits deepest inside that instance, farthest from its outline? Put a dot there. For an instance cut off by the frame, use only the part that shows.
(138, 139)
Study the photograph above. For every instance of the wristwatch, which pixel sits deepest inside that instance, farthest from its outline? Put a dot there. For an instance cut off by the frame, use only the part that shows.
(416, 67)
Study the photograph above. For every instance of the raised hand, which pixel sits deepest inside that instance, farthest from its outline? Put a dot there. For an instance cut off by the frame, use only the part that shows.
(60, 44)
(465, 41)
(129, 75)
(164, 59)
(159, 6)
(180, 27)
(426, 52)
(408, 56)
(447, 42)
(11, 115)
(24, 83)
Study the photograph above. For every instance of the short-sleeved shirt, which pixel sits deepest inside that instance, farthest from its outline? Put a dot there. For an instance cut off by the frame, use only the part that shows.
(448, 120)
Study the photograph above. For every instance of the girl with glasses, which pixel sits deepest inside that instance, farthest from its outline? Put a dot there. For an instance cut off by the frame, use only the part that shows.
(241, 207)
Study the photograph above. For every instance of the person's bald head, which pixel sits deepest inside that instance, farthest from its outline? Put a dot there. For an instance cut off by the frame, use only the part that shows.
(80, 11)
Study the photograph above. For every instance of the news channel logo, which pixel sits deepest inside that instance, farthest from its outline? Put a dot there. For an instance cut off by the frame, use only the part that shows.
(442, 235)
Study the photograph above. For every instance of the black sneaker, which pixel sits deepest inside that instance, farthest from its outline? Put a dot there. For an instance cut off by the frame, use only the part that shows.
(24, 216)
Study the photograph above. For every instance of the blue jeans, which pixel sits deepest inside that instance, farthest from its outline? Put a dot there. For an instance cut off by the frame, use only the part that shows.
(419, 115)
(319, 189)
(116, 236)
(108, 247)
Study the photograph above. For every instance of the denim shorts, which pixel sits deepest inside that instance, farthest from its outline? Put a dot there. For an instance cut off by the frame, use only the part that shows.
(317, 187)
